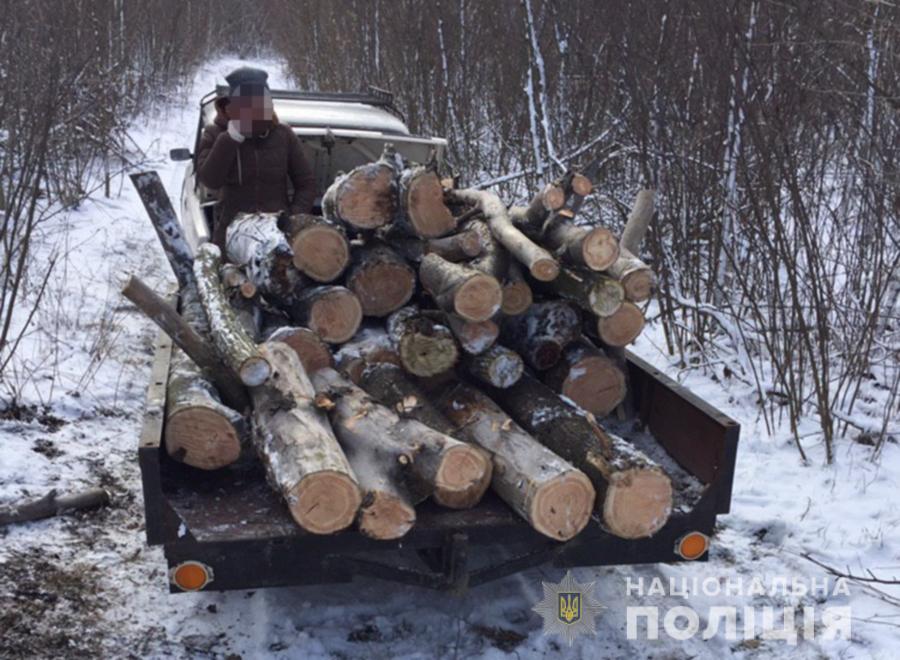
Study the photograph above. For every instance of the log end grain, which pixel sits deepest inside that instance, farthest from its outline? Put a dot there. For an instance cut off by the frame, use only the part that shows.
(384, 516)
(581, 185)
(202, 438)
(638, 284)
(366, 199)
(384, 287)
(325, 502)
(638, 502)
(311, 350)
(599, 249)
(622, 327)
(562, 506)
(517, 297)
(479, 298)
(335, 315)
(605, 296)
(321, 252)
(428, 214)
(544, 269)
(427, 354)
(463, 477)
(255, 371)
(595, 384)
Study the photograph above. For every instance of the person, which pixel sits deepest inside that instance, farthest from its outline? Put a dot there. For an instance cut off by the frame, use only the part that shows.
(249, 157)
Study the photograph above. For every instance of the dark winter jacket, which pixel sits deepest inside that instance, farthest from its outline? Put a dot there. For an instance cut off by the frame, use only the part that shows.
(253, 175)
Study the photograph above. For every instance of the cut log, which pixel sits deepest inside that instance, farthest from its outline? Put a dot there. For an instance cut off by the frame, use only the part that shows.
(459, 289)
(392, 387)
(238, 351)
(498, 366)
(474, 338)
(200, 430)
(581, 185)
(454, 473)
(296, 445)
(634, 495)
(594, 292)
(619, 329)
(311, 350)
(457, 247)
(540, 334)
(234, 279)
(496, 262)
(256, 244)
(381, 280)
(547, 491)
(530, 219)
(159, 208)
(539, 262)
(197, 347)
(366, 196)
(592, 247)
(332, 312)
(321, 251)
(370, 346)
(425, 347)
(422, 202)
(588, 377)
(51, 505)
(636, 277)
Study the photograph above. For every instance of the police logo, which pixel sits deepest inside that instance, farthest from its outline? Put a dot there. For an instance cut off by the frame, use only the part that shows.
(568, 609)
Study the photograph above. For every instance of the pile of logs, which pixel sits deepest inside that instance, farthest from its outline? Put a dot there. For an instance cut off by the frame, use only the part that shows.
(415, 341)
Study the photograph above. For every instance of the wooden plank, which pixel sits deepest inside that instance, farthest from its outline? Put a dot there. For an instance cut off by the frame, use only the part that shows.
(155, 407)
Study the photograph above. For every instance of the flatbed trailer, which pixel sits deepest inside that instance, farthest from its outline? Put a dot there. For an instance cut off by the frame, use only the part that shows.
(237, 530)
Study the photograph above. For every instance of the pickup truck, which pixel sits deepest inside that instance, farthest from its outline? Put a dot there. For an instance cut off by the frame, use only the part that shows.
(227, 529)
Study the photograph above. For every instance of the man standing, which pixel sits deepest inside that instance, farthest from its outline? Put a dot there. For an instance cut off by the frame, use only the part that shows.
(248, 156)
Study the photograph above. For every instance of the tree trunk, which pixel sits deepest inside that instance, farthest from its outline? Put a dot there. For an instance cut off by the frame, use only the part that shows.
(200, 430)
(381, 280)
(540, 334)
(255, 243)
(498, 366)
(311, 350)
(366, 196)
(321, 251)
(238, 351)
(588, 377)
(332, 312)
(548, 492)
(459, 289)
(618, 329)
(197, 347)
(422, 202)
(539, 262)
(296, 445)
(594, 292)
(634, 495)
(433, 463)
(425, 347)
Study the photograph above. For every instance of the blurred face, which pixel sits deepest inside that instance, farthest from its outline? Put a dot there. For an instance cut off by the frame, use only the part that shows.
(252, 111)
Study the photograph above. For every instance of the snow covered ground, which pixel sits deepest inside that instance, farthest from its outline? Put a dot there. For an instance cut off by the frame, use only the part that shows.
(87, 585)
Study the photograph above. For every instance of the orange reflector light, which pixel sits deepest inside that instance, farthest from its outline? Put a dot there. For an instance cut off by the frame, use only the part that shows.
(692, 545)
(191, 575)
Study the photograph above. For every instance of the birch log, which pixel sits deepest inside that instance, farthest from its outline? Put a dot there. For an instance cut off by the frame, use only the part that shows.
(256, 244)
(454, 473)
(634, 495)
(238, 351)
(547, 491)
(296, 445)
